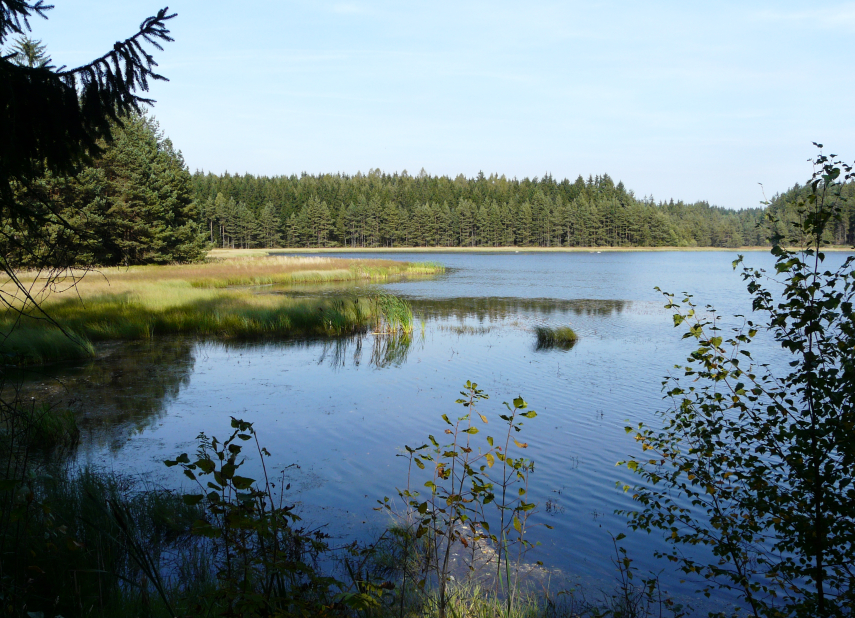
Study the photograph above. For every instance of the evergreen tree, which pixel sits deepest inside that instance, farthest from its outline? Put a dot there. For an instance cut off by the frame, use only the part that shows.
(133, 205)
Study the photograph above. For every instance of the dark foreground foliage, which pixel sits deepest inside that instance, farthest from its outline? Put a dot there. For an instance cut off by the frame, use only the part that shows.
(750, 479)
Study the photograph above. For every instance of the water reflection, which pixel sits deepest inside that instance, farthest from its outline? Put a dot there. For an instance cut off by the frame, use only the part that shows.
(493, 308)
(129, 387)
(122, 392)
(387, 350)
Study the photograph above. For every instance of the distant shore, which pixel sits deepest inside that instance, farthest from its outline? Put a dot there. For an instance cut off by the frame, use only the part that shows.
(225, 253)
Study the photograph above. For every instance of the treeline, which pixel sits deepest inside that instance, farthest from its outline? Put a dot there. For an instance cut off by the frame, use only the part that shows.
(136, 203)
(784, 212)
(399, 210)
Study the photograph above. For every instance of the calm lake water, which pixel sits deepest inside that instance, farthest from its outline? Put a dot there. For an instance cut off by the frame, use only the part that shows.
(341, 411)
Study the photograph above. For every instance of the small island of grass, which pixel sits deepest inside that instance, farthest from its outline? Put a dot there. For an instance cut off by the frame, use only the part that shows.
(548, 337)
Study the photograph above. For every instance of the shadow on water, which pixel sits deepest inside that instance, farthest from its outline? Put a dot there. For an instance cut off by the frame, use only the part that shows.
(130, 385)
(122, 392)
(492, 308)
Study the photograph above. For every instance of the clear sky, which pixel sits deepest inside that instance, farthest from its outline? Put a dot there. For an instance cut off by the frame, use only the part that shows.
(678, 99)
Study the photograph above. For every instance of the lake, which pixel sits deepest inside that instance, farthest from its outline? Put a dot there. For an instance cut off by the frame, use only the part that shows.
(334, 414)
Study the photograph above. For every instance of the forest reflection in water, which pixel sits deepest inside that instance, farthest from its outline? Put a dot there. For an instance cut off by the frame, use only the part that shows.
(118, 394)
(493, 308)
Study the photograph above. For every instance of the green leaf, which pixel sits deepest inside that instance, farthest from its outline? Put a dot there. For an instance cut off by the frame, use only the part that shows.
(242, 482)
(228, 470)
(192, 499)
(206, 465)
(517, 524)
(203, 528)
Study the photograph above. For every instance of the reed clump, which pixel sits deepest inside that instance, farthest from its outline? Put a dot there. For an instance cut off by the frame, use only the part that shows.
(395, 315)
(562, 337)
(226, 316)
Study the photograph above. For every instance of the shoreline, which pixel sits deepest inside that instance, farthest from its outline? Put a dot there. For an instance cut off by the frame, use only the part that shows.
(225, 253)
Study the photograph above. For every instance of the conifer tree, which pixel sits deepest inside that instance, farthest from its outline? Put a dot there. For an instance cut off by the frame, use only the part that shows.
(51, 120)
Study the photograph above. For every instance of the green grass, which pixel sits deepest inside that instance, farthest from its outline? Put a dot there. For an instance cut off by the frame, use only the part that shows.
(205, 300)
(79, 551)
(37, 343)
(26, 425)
(562, 337)
(230, 316)
(395, 314)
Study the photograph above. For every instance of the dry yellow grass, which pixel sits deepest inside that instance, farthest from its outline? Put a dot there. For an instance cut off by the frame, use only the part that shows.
(190, 279)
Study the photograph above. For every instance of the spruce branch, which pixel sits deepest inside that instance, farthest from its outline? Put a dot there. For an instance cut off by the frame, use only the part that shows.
(127, 68)
(15, 14)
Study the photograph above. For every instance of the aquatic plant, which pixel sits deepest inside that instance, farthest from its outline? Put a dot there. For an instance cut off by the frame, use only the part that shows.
(393, 314)
(462, 482)
(89, 539)
(39, 343)
(227, 315)
(548, 337)
(261, 558)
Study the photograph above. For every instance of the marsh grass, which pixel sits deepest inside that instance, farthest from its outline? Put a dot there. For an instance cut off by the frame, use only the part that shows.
(202, 300)
(561, 337)
(26, 426)
(471, 593)
(40, 343)
(395, 315)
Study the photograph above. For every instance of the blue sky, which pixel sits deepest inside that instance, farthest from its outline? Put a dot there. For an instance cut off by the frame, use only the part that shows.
(677, 99)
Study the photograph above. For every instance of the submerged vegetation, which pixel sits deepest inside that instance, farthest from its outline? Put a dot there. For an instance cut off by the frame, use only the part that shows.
(548, 337)
(147, 301)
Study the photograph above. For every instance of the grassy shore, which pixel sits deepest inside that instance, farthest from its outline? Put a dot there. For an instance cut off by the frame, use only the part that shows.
(358, 250)
(215, 299)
